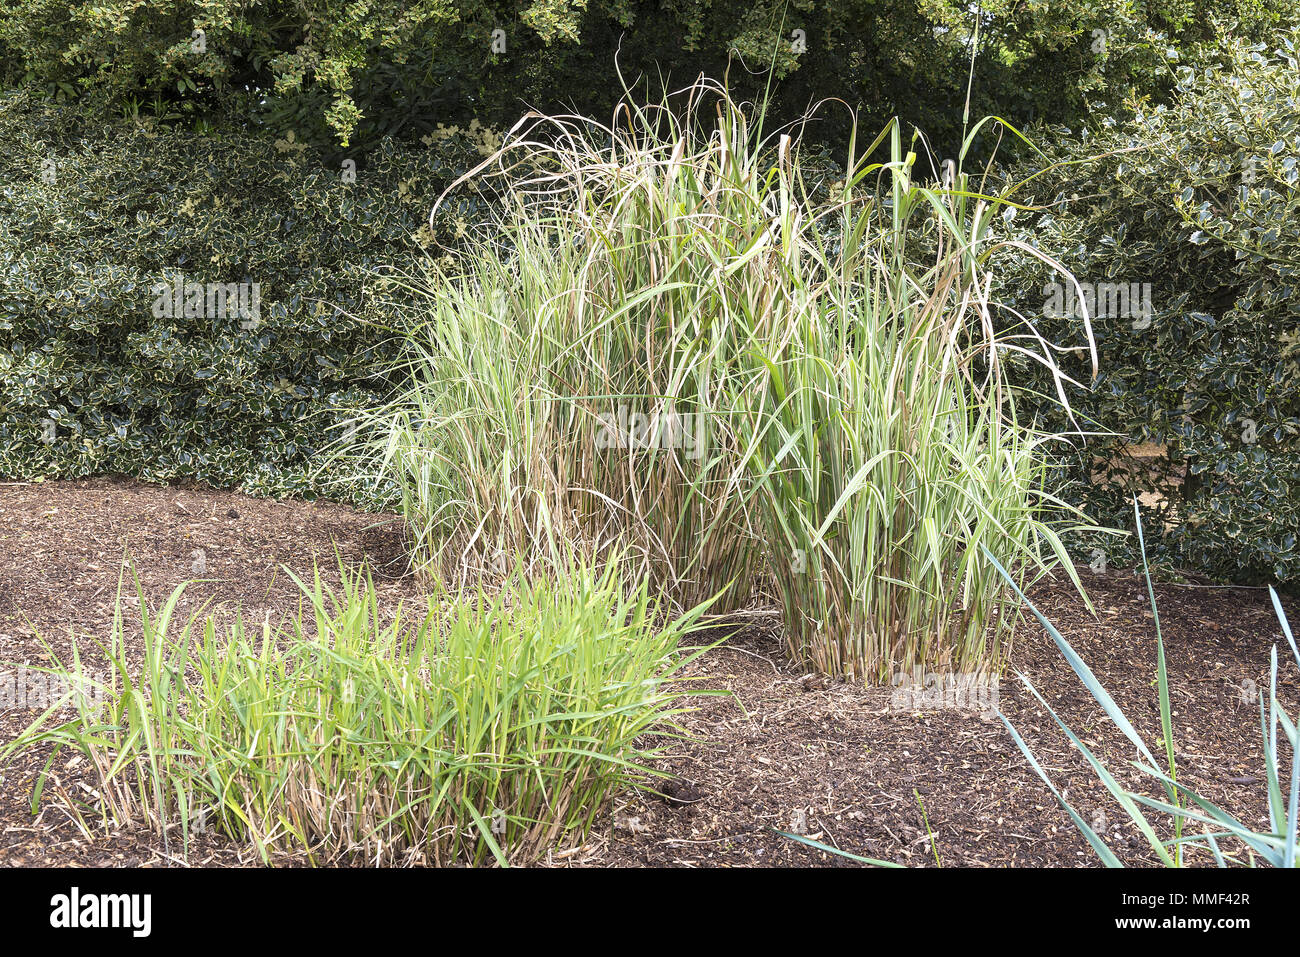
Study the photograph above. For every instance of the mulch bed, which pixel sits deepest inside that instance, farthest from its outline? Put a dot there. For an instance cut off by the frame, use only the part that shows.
(782, 751)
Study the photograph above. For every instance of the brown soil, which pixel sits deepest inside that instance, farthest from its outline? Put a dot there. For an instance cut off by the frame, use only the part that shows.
(783, 751)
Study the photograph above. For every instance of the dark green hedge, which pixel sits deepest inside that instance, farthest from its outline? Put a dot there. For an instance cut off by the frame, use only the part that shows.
(93, 215)
(351, 72)
(1200, 201)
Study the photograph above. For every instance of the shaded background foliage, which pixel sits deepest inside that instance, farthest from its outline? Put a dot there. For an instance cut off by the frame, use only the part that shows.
(1211, 377)
(347, 74)
(93, 214)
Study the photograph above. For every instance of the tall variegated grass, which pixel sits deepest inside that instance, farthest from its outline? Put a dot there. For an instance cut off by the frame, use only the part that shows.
(486, 728)
(569, 384)
(880, 431)
(846, 432)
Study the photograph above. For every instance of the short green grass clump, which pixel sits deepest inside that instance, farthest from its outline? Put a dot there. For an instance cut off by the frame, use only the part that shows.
(494, 727)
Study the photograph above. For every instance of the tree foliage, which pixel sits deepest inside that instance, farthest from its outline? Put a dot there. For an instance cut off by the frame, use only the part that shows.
(352, 72)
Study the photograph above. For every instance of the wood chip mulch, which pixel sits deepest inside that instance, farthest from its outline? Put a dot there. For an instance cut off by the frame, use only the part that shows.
(782, 751)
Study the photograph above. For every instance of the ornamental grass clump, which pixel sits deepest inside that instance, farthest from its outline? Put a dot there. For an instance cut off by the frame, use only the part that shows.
(490, 728)
(683, 344)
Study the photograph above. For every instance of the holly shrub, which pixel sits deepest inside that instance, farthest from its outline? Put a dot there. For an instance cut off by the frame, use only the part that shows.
(100, 373)
(1183, 227)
